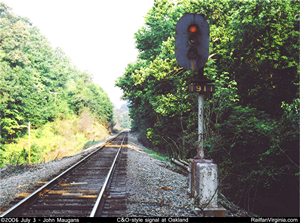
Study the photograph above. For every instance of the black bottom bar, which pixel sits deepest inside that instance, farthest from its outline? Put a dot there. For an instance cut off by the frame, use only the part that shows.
(142, 219)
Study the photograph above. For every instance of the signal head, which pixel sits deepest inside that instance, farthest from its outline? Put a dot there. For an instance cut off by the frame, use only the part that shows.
(192, 41)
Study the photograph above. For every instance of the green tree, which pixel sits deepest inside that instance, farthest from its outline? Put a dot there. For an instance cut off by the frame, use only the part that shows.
(251, 126)
(89, 95)
(30, 71)
(13, 37)
(264, 53)
(122, 117)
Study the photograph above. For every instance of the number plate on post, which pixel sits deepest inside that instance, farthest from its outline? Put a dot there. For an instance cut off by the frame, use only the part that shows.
(201, 88)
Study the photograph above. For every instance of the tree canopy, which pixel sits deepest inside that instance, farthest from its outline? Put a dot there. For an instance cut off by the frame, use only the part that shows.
(31, 71)
(251, 121)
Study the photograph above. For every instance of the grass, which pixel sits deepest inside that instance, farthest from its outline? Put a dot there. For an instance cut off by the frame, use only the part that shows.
(90, 144)
(156, 155)
(159, 157)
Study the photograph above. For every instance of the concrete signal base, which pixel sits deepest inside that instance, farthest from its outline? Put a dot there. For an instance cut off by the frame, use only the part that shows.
(214, 212)
(203, 185)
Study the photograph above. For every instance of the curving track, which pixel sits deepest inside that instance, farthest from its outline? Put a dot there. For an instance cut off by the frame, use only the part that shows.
(80, 191)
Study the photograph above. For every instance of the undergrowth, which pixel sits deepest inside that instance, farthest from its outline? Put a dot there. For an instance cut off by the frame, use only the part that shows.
(54, 140)
(159, 157)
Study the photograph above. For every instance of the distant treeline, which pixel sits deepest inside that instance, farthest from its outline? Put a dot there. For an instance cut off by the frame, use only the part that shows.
(251, 121)
(121, 116)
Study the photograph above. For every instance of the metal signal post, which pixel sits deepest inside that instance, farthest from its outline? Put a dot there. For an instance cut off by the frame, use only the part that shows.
(191, 52)
(200, 152)
(202, 86)
(29, 161)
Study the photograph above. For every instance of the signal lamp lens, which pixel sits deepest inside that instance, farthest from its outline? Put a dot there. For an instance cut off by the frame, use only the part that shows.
(193, 29)
(193, 40)
(192, 53)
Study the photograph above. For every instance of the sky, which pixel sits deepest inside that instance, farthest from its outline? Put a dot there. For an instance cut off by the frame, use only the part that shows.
(98, 35)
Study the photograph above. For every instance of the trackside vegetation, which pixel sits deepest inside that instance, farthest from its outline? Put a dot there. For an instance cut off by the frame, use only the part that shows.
(252, 119)
(79, 114)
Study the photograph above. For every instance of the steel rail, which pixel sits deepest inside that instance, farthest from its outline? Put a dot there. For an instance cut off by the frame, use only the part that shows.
(40, 191)
(96, 212)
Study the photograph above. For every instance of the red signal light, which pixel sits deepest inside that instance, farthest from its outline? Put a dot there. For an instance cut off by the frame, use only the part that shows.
(193, 29)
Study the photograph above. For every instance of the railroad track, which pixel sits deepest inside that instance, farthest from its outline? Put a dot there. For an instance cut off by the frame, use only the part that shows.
(84, 189)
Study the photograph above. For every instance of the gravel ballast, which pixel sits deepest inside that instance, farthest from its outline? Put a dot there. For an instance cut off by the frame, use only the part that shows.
(153, 189)
(11, 185)
(26, 181)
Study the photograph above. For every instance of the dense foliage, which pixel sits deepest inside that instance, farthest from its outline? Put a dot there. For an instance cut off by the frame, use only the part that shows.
(251, 121)
(30, 72)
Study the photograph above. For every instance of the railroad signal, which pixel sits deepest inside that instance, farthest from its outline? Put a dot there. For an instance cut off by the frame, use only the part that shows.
(192, 41)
